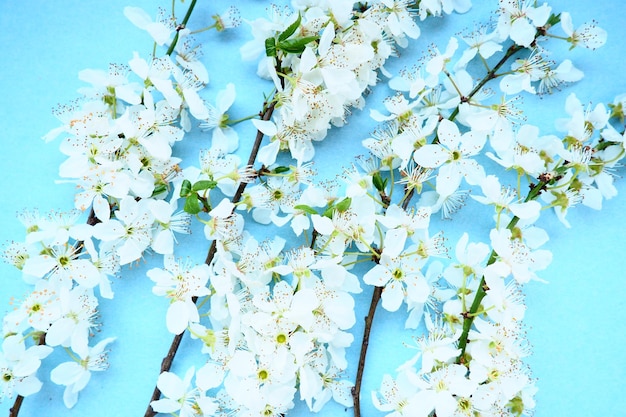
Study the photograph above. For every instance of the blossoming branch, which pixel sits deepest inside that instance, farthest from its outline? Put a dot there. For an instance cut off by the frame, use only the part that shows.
(272, 310)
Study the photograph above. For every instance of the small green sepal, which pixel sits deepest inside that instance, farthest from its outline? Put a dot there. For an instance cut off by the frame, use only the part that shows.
(280, 170)
(305, 208)
(185, 188)
(270, 47)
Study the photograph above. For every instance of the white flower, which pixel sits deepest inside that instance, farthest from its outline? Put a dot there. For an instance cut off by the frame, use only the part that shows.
(62, 265)
(105, 261)
(158, 73)
(182, 398)
(400, 21)
(562, 197)
(438, 62)
(168, 222)
(56, 229)
(415, 133)
(159, 31)
(151, 126)
(496, 119)
(398, 273)
(130, 233)
(399, 107)
(470, 257)
(230, 18)
(224, 224)
(188, 84)
(113, 84)
(454, 152)
(519, 20)
(504, 303)
(528, 152)
(100, 182)
(589, 35)
(179, 396)
(437, 346)
(75, 375)
(443, 388)
(565, 72)
(515, 257)
(180, 282)
(18, 366)
(263, 28)
(395, 395)
(78, 309)
(225, 138)
(505, 199)
(523, 73)
(480, 42)
(333, 65)
(434, 7)
(583, 121)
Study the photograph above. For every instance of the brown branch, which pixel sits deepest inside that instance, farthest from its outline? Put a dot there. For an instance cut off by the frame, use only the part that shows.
(369, 319)
(15, 410)
(166, 364)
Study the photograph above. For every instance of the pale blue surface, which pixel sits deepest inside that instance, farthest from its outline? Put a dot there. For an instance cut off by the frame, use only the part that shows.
(575, 321)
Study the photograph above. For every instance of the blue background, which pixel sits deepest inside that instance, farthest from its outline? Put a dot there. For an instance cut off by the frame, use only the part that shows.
(575, 322)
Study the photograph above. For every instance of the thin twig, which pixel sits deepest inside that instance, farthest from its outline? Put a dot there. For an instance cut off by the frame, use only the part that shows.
(181, 26)
(468, 316)
(356, 390)
(15, 410)
(166, 364)
(369, 319)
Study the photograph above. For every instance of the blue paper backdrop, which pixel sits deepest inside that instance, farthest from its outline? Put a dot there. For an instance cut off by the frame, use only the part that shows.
(574, 322)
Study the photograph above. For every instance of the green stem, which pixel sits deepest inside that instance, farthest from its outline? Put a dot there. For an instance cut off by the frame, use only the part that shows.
(482, 288)
(204, 29)
(182, 26)
(243, 119)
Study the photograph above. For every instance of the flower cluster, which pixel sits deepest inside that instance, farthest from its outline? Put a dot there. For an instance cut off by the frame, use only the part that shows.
(272, 317)
(118, 140)
(328, 55)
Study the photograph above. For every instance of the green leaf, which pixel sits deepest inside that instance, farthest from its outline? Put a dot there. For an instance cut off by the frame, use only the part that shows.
(553, 19)
(297, 45)
(270, 47)
(378, 182)
(185, 189)
(329, 212)
(204, 185)
(291, 29)
(161, 188)
(192, 204)
(344, 204)
(305, 208)
(280, 170)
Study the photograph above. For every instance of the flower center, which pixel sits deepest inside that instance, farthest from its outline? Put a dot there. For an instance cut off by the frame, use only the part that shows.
(397, 274)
